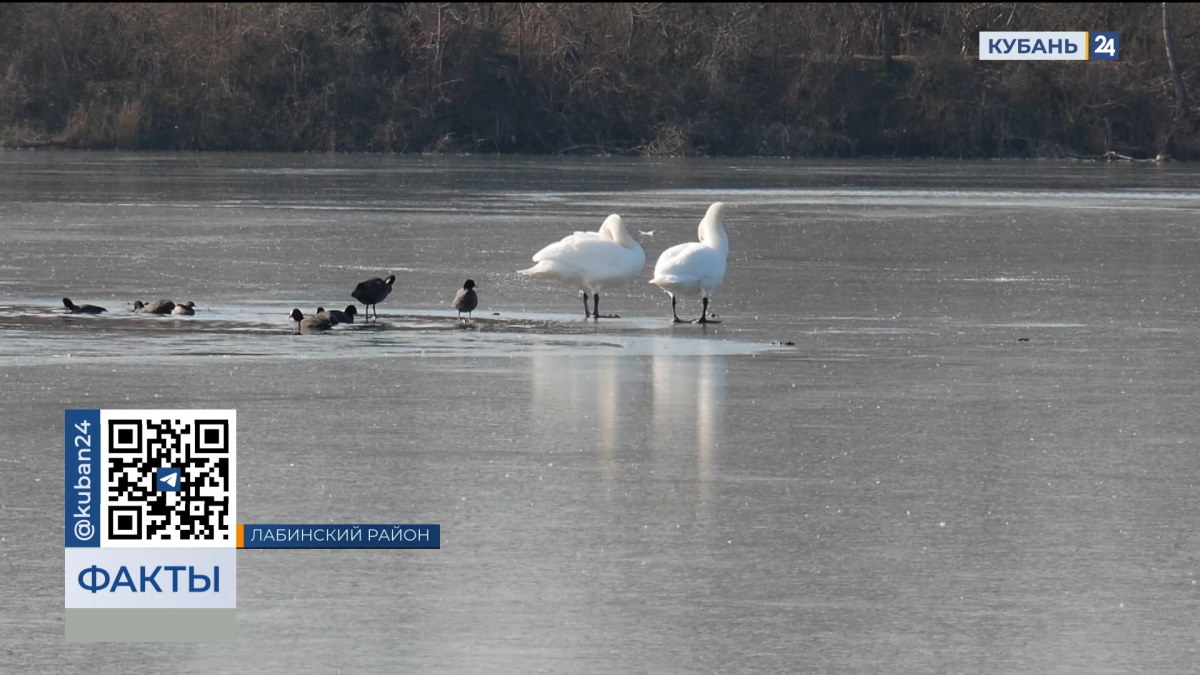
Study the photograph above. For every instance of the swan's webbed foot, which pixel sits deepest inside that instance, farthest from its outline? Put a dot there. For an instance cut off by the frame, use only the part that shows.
(704, 315)
(674, 315)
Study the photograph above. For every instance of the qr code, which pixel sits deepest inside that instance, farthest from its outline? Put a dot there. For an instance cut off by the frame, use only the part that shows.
(169, 478)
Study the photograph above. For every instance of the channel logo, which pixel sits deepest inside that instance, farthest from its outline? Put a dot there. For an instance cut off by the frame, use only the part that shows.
(1049, 46)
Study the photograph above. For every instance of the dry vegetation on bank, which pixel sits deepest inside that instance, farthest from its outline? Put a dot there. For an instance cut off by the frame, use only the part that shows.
(848, 79)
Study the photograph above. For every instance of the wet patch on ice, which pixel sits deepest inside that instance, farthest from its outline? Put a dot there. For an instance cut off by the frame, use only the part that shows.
(35, 332)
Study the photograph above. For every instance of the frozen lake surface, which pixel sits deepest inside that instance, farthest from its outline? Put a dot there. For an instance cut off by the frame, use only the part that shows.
(947, 424)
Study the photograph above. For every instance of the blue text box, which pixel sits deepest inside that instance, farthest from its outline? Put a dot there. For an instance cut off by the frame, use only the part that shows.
(82, 478)
(340, 536)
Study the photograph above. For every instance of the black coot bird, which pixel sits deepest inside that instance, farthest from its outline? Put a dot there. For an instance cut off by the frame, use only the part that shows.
(465, 300)
(335, 317)
(310, 324)
(372, 292)
(156, 307)
(82, 309)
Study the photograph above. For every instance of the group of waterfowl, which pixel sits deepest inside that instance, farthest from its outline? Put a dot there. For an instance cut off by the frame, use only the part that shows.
(589, 261)
(369, 293)
(594, 261)
(323, 320)
(165, 307)
(156, 307)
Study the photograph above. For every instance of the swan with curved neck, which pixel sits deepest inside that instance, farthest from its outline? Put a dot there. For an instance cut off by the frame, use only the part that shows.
(695, 268)
(591, 261)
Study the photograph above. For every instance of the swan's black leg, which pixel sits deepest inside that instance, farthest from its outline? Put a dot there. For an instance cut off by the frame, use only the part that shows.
(596, 305)
(586, 313)
(673, 314)
(704, 314)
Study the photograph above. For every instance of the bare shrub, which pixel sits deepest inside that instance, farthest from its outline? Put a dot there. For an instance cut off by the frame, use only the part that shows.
(670, 140)
(127, 124)
(78, 129)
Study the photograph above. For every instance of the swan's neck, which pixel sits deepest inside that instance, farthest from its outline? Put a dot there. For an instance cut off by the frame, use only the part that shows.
(615, 230)
(712, 234)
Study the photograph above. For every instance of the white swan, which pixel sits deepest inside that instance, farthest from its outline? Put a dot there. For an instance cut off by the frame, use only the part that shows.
(695, 268)
(591, 261)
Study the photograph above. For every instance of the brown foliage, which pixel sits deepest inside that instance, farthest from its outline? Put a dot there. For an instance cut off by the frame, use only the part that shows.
(882, 79)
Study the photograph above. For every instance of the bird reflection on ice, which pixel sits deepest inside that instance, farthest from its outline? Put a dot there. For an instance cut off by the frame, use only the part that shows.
(689, 407)
(591, 399)
(666, 409)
